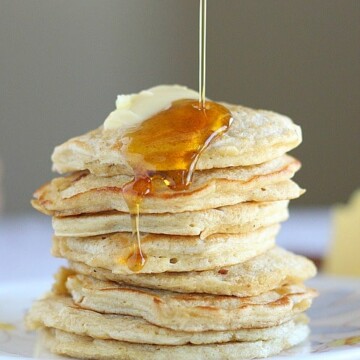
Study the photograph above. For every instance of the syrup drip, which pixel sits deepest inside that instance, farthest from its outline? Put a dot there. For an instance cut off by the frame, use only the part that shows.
(167, 147)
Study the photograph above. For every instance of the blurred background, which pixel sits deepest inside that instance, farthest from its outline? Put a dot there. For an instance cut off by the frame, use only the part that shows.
(62, 63)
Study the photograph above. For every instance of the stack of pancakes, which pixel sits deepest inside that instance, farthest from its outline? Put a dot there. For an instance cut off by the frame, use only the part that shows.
(214, 285)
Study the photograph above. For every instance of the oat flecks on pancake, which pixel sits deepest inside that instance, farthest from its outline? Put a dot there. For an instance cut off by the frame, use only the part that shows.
(64, 343)
(191, 312)
(166, 252)
(82, 192)
(254, 137)
(262, 273)
(61, 313)
(238, 218)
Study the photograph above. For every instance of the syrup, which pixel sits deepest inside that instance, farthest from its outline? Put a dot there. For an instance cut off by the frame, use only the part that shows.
(167, 146)
(202, 53)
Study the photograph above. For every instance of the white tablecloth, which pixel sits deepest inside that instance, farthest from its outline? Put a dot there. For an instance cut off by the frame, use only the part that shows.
(25, 242)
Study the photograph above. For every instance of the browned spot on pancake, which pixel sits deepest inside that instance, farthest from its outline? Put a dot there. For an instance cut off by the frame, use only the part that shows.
(294, 164)
(41, 189)
(207, 308)
(283, 301)
(223, 271)
(79, 176)
(117, 145)
(74, 306)
(80, 143)
(134, 291)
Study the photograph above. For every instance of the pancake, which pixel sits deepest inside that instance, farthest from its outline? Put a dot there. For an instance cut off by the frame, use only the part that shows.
(255, 136)
(85, 347)
(166, 252)
(262, 273)
(239, 218)
(59, 312)
(82, 192)
(190, 312)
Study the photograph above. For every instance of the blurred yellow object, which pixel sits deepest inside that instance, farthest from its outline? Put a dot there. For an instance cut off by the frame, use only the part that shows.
(1, 188)
(344, 255)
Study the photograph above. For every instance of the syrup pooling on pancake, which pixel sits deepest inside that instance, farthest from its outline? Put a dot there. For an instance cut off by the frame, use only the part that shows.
(164, 150)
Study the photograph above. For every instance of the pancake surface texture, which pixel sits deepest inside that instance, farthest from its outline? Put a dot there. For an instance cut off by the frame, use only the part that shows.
(239, 218)
(82, 192)
(254, 137)
(60, 312)
(191, 312)
(65, 343)
(260, 274)
(166, 252)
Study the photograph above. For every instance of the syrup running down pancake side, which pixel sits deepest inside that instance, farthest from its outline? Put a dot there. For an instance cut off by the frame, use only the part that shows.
(163, 151)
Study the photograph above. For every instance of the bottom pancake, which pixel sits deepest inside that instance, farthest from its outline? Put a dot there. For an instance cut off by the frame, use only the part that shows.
(191, 312)
(60, 312)
(85, 347)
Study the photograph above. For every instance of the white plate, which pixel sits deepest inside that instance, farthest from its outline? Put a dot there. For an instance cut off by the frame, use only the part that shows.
(335, 322)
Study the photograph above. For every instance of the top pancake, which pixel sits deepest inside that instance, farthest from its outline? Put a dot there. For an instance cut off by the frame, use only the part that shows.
(255, 136)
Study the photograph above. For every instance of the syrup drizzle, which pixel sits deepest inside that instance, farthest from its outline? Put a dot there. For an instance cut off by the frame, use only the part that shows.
(202, 52)
(167, 146)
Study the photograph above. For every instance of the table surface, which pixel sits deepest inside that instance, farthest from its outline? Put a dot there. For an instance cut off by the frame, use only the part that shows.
(25, 242)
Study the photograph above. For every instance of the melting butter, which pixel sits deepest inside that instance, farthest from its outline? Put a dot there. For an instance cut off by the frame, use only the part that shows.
(133, 109)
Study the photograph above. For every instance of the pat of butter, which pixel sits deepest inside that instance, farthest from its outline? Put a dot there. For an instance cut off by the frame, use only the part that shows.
(132, 109)
(343, 258)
